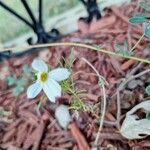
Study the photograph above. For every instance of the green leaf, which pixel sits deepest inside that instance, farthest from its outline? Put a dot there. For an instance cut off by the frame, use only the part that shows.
(26, 69)
(148, 89)
(145, 5)
(101, 82)
(122, 49)
(11, 80)
(98, 46)
(17, 90)
(3, 112)
(141, 15)
(148, 116)
(139, 18)
(71, 59)
(22, 81)
(124, 53)
(147, 30)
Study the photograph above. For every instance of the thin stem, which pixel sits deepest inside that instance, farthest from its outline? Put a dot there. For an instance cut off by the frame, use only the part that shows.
(120, 88)
(103, 116)
(95, 70)
(131, 78)
(137, 42)
(43, 98)
(118, 109)
(104, 102)
(78, 45)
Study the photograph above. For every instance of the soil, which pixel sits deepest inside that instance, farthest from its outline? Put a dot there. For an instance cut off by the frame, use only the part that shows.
(25, 128)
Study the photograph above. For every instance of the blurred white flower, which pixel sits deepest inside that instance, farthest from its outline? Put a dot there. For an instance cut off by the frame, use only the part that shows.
(48, 81)
(63, 116)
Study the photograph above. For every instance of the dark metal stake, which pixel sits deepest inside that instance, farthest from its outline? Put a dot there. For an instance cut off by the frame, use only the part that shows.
(92, 10)
(36, 25)
(16, 14)
(40, 12)
(28, 9)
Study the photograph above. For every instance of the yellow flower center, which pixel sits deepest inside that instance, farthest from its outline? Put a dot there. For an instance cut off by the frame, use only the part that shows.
(43, 76)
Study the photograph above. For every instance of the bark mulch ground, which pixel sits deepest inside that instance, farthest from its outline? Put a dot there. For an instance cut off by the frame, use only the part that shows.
(25, 128)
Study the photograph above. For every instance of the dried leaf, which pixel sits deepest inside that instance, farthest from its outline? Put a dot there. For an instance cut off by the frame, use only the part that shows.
(133, 127)
(145, 105)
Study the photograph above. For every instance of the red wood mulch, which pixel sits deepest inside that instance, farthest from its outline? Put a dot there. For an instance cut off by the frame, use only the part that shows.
(27, 129)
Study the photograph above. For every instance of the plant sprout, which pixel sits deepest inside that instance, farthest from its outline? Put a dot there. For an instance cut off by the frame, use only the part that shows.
(138, 19)
(142, 18)
(48, 81)
(20, 83)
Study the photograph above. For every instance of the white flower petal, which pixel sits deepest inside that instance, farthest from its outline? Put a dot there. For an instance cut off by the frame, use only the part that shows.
(63, 116)
(39, 65)
(59, 74)
(52, 89)
(33, 90)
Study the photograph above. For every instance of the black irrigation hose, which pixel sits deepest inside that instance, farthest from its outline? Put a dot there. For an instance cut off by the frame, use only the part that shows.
(10, 54)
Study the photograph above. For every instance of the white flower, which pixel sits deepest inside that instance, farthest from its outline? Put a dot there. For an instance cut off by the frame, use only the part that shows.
(63, 116)
(48, 81)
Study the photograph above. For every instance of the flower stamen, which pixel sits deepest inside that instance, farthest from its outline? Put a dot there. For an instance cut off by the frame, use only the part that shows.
(44, 76)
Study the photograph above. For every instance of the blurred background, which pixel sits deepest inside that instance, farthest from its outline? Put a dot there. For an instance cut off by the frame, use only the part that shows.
(62, 15)
(11, 27)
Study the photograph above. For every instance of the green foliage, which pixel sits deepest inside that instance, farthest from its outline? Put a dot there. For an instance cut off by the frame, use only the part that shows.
(142, 18)
(3, 112)
(101, 82)
(76, 102)
(139, 18)
(148, 89)
(11, 80)
(147, 30)
(122, 49)
(21, 82)
(26, 69)
(17, 90)
(97, 46)
(69, 87)
(148, 116)
(70, 61)
(145, 5)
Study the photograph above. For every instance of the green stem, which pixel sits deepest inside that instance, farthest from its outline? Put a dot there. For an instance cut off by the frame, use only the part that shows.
(43, 98)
